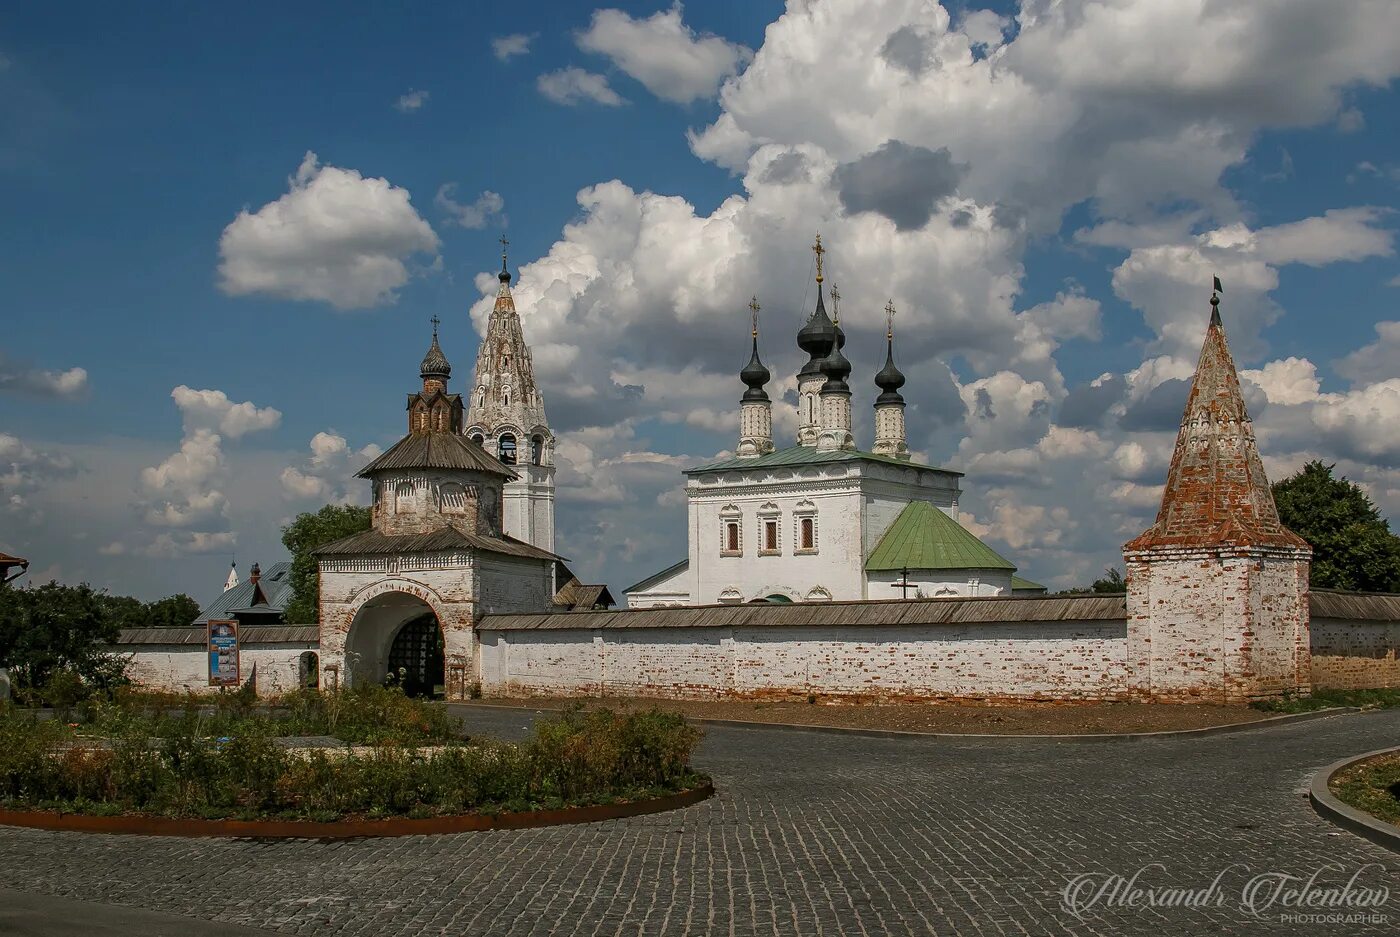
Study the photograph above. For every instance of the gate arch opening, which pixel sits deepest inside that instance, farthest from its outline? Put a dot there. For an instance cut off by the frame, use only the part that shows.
(396, 638)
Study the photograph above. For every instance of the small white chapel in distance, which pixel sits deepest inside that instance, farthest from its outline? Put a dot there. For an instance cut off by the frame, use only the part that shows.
(822, 520)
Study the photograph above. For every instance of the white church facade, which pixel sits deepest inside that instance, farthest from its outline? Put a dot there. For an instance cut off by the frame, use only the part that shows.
(821, 520)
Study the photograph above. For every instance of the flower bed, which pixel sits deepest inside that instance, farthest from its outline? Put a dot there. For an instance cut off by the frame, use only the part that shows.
(1371, 786)
(143, 759)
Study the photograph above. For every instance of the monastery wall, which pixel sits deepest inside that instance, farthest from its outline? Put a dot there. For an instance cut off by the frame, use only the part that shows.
(1065, 659)
(1355, 640)
(182, 668)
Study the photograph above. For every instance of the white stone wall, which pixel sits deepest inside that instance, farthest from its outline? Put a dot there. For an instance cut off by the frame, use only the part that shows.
(1217, 624)
(809, 409)
(1348, 654)
(889, 431)
(180, 668)
(755, 428)
(529, 506)
(1023, 660)
(671, 591)
(414, 501)
(931, 583)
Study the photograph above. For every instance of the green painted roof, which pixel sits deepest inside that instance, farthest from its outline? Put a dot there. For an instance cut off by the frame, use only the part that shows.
(923, 537)
(1020, 582)
(809, 455)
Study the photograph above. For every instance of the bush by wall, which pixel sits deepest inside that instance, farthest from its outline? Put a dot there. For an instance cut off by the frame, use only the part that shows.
(147, 759)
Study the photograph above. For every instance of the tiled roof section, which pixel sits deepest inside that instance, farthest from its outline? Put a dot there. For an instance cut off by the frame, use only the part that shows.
(808, 455)
(7, 559)
(437, 541)
(1216, 491)
(438, 451)
(923, 537)
(248, 634)
(276, 588)
(1070, 609)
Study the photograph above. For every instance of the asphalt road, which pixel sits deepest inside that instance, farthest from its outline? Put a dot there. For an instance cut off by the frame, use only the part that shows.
(810, 834)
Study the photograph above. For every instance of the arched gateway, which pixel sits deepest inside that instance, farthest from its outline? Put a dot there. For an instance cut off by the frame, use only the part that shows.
(403, 597)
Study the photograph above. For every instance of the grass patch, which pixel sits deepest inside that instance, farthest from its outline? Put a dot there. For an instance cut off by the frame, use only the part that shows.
(155, 760)
(1327, 699)
(1372, 787)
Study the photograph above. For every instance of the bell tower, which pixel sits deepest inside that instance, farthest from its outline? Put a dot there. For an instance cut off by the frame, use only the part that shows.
(505, 416)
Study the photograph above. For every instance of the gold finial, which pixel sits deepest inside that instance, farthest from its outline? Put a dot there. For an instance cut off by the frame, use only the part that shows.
(819, 250)
(436, 322)
(889, 320)
(835, 304)
(753, 312)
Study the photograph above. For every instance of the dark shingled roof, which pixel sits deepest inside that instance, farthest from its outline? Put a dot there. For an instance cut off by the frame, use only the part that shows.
(1070, 609)
(438, 451)
(437, 541)
(1354, 606)
(276, 583)
(247, 634)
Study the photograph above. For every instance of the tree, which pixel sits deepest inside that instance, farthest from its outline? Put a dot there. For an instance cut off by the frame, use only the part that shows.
(53, 629)
(1353, 547)
(304, 534)
(1111, 581)
(173, 611)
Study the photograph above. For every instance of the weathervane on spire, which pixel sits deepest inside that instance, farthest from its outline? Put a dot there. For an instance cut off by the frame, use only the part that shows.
(1216, 290)
(819, 250)
(753, 312)
(835, 304)
(889, 320)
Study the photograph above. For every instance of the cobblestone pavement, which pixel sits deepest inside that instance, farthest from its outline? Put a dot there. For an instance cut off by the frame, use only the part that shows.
(810, 834)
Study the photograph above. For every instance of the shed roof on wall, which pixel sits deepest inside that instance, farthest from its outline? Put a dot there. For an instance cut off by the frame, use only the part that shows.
(248, 634)
(944, 611)
(1354, 606)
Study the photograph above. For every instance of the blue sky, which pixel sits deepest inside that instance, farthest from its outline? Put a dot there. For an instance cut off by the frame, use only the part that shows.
(1077, 175)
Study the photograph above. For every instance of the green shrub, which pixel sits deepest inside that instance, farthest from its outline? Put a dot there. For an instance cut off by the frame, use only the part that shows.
(191, 767)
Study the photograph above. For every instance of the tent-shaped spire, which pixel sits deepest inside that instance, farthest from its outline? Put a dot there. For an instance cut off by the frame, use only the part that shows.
(1216, 490)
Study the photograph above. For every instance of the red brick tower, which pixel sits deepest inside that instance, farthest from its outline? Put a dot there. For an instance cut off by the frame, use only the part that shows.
(1217, 586)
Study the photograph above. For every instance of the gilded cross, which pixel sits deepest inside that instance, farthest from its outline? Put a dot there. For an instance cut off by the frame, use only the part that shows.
(889, 319)
(753, 310)
(819, 250)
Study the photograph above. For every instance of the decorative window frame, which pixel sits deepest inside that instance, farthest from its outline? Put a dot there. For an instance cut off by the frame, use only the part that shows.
(818, 594)
(770, 514)
(405, 496)
(805, 511)
(730, 514)
(731, 596)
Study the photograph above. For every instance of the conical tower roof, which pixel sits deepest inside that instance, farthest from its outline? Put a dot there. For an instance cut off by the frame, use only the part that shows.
(1216, 491)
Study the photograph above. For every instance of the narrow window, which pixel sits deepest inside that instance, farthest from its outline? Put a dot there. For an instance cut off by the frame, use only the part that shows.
(808, 540)
(536, 449)
(505, 450)
(731, 541)
(770, 535)
(476, 438)
(403, 498)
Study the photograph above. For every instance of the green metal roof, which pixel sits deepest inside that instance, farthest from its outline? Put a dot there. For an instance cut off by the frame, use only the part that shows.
(1020, 582)
(808, 455)
(923, 537)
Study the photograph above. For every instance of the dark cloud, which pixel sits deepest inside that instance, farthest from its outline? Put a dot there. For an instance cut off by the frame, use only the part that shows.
(788, 168)
(983, 408)
(899, 181)
(1084, 406)
(1160, 410)
(909, 48)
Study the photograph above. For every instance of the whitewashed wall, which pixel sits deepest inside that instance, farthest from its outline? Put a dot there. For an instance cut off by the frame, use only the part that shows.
(931, 583)
(180, 668)
(1037, 660)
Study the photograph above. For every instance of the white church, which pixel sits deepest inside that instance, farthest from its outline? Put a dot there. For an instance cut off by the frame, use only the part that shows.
(821, 520)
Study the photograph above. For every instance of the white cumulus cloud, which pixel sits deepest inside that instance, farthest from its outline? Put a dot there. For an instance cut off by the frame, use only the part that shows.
(335, 237)
(663, 53)
(572, 86)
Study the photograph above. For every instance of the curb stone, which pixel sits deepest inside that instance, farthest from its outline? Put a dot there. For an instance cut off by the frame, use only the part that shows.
(1330, 808)
(1270, 722)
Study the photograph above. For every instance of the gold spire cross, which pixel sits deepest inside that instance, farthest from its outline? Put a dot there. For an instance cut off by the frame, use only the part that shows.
(889, 319)
(753, 310)
(436, 322)
(819, 250)
(835, 303)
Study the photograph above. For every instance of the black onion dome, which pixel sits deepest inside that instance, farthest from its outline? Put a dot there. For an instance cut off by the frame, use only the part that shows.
(504, 275)
(837, 369)
(890, 379)
(435, 362)
(754, 376)
(817, 338)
